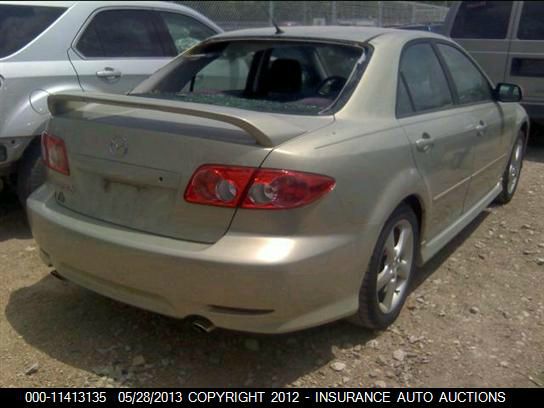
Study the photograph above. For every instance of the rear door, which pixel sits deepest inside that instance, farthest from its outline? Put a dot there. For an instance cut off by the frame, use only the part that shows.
(483, 29)
(485, 121)
(119, 48)
(439, 132)
(526, 58)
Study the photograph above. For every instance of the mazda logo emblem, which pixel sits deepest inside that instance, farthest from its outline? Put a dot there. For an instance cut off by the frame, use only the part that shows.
(118, 146)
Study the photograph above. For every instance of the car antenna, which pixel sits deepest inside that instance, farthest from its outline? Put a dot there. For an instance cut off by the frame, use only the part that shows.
(276, 26)
(278, 29)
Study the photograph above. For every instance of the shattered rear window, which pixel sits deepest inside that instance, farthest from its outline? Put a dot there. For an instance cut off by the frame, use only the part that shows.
(289, 77)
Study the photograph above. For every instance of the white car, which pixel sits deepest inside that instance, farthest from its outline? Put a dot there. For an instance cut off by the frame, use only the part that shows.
(52, 46)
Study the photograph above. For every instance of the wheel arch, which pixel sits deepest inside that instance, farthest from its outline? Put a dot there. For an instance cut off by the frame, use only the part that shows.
(525, 128)
(407, 188)
(415, 202)
(522, 123)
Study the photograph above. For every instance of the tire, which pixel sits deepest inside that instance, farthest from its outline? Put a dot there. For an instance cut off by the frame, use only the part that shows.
(31, 171)
(513, 169)
(373, 312)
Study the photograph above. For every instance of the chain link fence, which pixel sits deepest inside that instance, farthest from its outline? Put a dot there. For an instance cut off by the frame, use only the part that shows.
(234, 15)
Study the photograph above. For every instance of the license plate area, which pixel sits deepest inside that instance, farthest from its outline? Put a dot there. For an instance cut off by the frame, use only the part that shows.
(121, 201)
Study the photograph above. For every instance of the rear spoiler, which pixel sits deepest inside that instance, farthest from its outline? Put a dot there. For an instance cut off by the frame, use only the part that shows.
(267, 129)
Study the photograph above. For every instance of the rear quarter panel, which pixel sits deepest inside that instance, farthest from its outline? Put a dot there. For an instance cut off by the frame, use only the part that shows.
(23, 99)
(35, 71)
(374, 172)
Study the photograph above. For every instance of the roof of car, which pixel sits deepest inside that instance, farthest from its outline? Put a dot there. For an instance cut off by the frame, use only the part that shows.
(40, 3)
(66, 4)
(334, 33)
(331, 33)
(90, 6)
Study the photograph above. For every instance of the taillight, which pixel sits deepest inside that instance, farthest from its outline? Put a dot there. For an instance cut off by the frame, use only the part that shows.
(285, 189)
(248, 187)
(54, 153)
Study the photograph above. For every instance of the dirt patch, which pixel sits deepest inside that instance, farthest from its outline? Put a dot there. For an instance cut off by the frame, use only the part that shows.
(475, 318)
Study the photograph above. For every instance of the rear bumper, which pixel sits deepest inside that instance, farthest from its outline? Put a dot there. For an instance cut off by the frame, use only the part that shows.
(242, 282)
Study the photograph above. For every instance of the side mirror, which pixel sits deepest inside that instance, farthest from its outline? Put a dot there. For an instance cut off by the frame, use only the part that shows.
(507, 92)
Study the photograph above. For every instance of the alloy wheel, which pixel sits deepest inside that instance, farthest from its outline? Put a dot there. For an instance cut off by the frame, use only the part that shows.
(396, 264)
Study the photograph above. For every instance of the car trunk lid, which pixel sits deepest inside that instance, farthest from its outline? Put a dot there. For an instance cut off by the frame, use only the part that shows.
(131, 158)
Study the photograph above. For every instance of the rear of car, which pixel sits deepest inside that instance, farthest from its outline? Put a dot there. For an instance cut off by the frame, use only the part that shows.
(507, 39)
(164, 199)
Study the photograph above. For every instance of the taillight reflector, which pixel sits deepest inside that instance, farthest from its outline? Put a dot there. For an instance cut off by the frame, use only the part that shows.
(248, 187)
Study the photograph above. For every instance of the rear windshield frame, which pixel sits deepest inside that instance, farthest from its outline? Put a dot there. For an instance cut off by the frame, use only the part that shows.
(144, 88)
(29, 39)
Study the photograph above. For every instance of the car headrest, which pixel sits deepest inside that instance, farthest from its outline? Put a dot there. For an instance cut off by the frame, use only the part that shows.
(285, 76)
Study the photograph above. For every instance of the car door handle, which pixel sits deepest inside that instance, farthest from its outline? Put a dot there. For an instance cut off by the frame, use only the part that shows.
(108, 73)
(480, 128)
(425, 144)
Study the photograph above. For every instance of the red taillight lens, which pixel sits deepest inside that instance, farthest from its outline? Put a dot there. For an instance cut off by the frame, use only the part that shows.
(247, 187)
(275, 189)
(54, 154)
(218, 185)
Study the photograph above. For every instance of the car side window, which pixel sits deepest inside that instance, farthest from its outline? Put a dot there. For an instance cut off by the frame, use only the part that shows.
(184, 30)
(531, 26)
(482, 19)
(20, 24)
(425, 80)
(121, 33)
(469, 82)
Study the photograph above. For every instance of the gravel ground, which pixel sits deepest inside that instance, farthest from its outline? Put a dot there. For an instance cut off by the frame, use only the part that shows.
(475, 318)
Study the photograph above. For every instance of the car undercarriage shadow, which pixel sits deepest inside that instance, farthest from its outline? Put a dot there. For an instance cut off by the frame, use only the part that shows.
(13, 221)
(96, 334)
(424, 272)
(535, 152)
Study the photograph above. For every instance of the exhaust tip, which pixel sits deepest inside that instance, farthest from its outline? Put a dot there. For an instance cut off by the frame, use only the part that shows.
(57, 275)
(202, 325)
